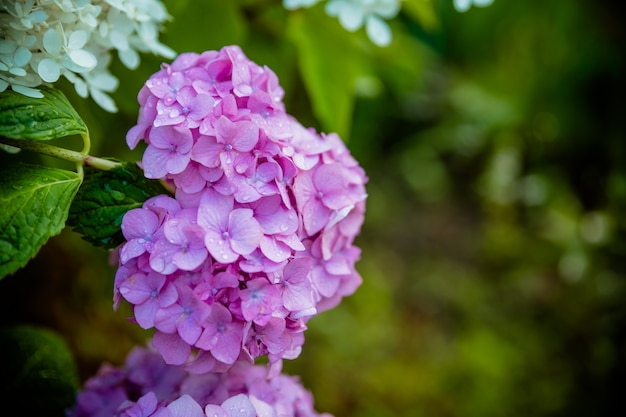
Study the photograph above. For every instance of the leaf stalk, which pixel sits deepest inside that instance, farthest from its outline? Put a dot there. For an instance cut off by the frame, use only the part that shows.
(61, 153)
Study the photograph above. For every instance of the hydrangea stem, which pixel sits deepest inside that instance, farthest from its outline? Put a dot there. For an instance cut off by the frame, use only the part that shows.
(62, 153)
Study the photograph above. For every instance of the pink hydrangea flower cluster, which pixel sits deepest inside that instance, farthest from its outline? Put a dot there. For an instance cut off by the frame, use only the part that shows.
(146, 386)
(258, 236)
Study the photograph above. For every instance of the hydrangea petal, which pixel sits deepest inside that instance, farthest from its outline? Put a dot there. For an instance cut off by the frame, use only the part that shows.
(48, 70)
(239, 406)
(173, 349)
(83, 58)
(245, 231)
(52, 42)
(378, 31)
(185, 406)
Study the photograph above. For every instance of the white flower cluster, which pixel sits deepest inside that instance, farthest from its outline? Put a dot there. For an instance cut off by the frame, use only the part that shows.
(354, 14)
(464, 5)
(42, 40)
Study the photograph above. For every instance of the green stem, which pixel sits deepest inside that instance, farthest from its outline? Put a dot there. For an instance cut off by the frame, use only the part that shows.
(169, 187)
(62, 153)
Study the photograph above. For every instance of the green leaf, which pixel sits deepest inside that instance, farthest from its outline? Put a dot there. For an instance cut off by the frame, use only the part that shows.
(35, 203)
(329, 62)
(50, 117)
(424, 12)
(38, 371)
(181, 33)
(104, 198)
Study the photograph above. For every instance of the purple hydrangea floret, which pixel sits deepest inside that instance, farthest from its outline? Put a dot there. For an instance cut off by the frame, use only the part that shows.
(148, 387)
(257, 236)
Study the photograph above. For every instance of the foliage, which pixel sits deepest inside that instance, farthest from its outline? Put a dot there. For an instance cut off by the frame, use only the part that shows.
(49, 117)
(36, 200)
(39, 370)
(101, 202)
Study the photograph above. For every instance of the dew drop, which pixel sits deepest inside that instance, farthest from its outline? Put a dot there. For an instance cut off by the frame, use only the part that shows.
(17, 187)
(224, 256)
(117, 195)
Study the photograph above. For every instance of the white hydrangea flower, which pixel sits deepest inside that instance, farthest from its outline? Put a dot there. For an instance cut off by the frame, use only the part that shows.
(353, 14)
(464, 5)
(43, 40)
(295, 4)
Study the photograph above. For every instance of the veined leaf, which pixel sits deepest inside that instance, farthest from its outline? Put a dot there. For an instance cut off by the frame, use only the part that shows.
(35, 203)
(50, 117)
(104, 198)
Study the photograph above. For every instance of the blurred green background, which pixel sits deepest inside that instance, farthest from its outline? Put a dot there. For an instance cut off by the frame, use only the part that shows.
(494, 245)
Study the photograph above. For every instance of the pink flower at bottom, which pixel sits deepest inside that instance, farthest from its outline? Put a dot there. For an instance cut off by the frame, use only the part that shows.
(147, 387)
